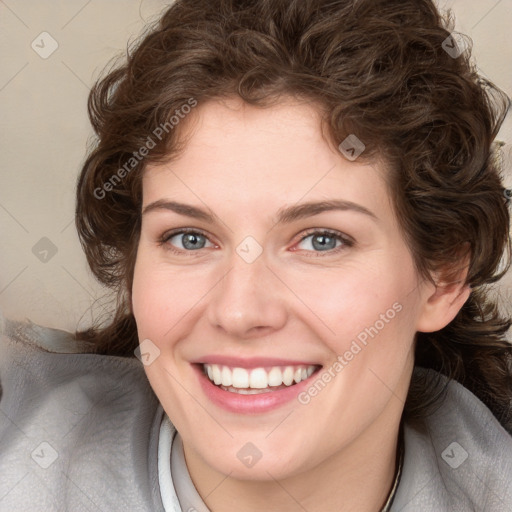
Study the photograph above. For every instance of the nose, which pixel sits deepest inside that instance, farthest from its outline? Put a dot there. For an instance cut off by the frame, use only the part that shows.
(249, 301)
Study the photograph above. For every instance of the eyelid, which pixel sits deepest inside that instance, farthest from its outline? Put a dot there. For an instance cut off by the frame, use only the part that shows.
(326, 231)
(347, 241)
(166, 236)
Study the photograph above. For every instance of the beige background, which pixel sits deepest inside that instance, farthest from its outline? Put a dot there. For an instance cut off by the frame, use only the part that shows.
(44, 131)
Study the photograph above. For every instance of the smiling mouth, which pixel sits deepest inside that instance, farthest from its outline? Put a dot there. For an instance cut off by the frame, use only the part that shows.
(257, 380)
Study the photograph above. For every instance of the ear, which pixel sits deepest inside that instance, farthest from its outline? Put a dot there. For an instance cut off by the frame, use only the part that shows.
(444, 299)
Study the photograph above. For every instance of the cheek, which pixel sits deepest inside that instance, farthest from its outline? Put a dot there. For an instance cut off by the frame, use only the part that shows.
(359, 303)
(160, 296)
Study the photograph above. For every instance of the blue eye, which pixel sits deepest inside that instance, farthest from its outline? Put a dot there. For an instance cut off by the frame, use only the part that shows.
(190, 240)
(326, 241)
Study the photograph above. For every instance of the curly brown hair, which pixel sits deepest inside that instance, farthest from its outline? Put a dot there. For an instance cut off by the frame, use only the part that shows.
(375, 68)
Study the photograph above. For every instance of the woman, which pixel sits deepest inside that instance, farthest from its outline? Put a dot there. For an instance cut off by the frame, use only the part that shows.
(300, 207)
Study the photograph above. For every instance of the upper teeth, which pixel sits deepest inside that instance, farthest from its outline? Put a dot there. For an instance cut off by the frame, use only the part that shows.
(257, 377)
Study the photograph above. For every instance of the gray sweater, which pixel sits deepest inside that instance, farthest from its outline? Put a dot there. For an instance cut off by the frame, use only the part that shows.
(79, 432)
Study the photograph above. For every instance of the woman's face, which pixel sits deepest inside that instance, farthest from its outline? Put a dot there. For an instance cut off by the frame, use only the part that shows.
(257, 292)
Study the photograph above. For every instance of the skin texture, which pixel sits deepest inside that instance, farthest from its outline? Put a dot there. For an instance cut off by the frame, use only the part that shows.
(243, 164)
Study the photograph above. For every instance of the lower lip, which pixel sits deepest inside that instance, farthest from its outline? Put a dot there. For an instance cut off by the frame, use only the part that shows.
(250, 404)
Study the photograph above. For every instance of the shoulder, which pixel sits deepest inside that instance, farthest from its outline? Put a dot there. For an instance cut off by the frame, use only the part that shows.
(45, 359)
(37, 360)
(461, 460)
(91, 418)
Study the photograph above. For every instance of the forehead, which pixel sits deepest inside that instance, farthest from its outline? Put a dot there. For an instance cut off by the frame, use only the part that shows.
(250, 154)
(234, 130)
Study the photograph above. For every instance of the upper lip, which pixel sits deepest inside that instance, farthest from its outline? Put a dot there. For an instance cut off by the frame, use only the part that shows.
(251, 362)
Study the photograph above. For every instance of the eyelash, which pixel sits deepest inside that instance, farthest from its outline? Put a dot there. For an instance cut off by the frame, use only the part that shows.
(347, 242)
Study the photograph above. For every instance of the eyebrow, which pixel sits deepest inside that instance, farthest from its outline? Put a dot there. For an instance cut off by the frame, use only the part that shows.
(285, 215)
